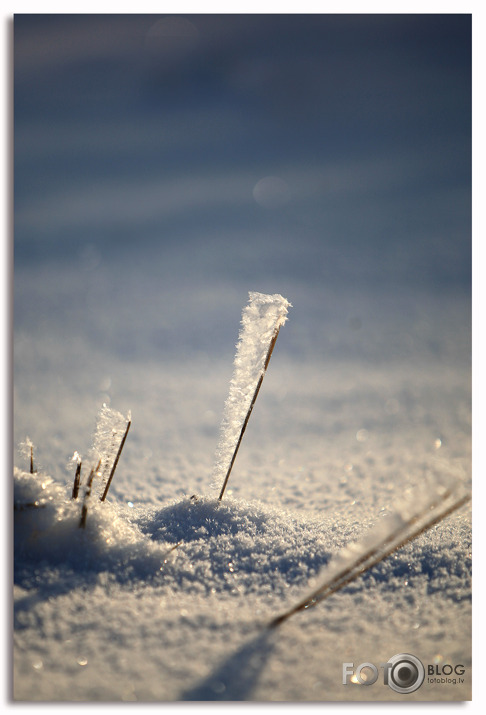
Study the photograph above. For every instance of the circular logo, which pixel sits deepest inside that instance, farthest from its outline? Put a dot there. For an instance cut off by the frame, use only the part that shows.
(406, 673)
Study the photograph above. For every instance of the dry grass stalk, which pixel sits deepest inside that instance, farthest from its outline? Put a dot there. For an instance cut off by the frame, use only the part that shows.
(378, 554)
(87, 494)
(115, 463)
(248, 414)
(77, 481)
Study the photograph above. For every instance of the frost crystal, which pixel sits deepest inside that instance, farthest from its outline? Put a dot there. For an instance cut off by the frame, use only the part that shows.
(110, 429)
(261, 320)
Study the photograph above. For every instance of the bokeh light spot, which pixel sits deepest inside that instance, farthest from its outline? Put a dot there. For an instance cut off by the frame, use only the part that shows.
(271, 192)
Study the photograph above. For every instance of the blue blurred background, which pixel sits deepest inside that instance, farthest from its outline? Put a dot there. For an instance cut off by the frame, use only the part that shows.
(165, 165)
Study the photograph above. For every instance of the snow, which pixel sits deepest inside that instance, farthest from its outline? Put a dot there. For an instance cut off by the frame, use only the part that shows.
(326, 160)
(168, 592)
(114, 601)
(416, 511)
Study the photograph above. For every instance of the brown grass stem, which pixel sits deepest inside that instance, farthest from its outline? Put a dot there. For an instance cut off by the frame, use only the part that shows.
(247, 417)
(374, 556)
(84, 510)
(77, 481)
(115, 463)
(172, 548)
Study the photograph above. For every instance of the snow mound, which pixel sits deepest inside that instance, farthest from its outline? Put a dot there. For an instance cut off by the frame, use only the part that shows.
(199, 543)
(47, 534)
(237, 546)
(205, 546)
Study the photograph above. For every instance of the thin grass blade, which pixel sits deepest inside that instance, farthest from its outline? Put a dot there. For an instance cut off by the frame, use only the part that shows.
(412, 517)
(261, 321)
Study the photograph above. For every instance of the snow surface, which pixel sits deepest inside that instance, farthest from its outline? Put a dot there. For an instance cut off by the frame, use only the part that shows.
(114, 612)
(325, 158)
(121, 616)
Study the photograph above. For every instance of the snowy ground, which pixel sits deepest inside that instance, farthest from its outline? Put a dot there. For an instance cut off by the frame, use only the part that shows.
(164, 168)
(107, 614)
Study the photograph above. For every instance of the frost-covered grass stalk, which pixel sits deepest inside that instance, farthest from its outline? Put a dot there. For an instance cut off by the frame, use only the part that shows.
(87, 494)
(26, 450)
(414, 514)
(110, 436)
(261, 321)
(77, 476)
